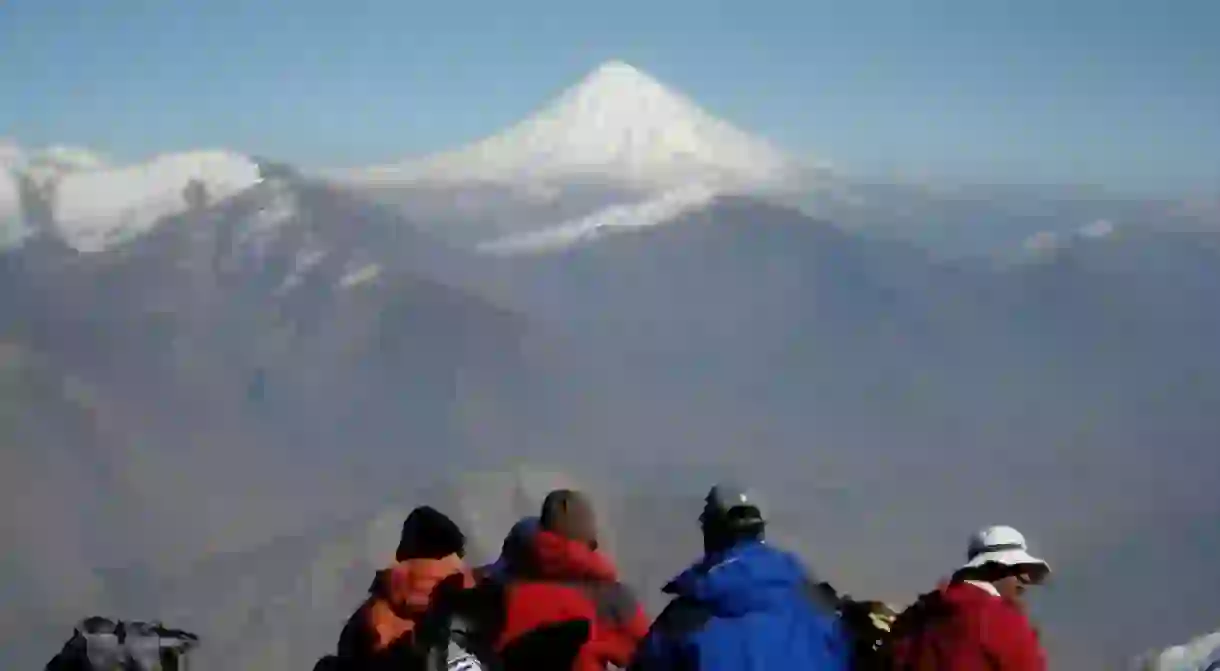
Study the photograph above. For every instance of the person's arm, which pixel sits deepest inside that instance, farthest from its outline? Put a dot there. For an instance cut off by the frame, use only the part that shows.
(622, 624)
(659, 649)
(617, 645)
(655, 653)
(821, 594)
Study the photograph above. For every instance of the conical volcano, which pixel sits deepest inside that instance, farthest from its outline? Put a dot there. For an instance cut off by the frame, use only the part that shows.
(618, 126)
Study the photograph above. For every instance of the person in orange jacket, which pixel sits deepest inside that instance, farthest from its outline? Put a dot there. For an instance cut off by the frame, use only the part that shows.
(976, 620)
(380, 633)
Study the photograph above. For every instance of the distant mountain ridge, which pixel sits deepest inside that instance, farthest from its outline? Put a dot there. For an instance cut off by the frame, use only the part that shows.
(599, 156)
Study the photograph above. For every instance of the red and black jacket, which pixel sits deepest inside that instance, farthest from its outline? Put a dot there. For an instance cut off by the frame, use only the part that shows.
(564, 580)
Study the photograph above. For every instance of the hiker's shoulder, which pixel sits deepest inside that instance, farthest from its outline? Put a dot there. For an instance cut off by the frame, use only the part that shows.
(682, 617)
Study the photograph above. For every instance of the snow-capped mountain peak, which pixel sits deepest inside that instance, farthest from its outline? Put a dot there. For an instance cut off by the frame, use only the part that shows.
(617, 125)
(93, 205)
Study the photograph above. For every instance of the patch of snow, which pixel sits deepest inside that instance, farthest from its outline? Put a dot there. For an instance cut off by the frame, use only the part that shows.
(618, 125)
(1050, 241)
(361, 275)
(97, 208)
(45, 168)
(1101, 228)
(68, 158)
(1044, 241)
(277, 208)
(651, 212)
(305, 260)
(540, 193)
(1201, 654)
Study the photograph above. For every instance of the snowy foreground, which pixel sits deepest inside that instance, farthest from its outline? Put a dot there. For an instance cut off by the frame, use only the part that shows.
(1201, 654)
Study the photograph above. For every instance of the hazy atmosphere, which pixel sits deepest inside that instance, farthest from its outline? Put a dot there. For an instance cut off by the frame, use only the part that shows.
(272, 274)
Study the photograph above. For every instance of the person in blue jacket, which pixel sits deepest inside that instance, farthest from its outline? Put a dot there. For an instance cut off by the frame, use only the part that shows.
(745, 606)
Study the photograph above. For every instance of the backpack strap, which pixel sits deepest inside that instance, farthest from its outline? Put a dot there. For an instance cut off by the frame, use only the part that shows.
(459, 631)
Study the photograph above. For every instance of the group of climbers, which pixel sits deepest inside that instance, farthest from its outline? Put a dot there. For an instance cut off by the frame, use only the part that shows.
(553, 600)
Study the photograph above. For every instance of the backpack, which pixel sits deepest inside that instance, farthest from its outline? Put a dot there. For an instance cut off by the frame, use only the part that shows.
(869, 623)
(457, 633)
(552, 647)
(460, 633)
(102, 644)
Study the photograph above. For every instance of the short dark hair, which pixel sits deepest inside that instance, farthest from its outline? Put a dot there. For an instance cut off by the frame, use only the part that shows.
(556, 505)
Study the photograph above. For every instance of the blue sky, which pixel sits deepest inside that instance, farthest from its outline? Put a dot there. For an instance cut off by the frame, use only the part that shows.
(1119, 93)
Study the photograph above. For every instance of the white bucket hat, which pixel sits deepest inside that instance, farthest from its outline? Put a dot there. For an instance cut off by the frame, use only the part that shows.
(1004, 545)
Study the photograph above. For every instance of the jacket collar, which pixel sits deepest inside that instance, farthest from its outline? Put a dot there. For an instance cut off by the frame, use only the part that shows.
(560, 558)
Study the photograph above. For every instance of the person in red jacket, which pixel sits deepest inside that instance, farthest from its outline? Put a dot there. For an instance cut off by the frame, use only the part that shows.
(977, 620)
(562, 578)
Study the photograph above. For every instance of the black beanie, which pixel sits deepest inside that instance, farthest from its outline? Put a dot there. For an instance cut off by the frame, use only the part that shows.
(428, 534)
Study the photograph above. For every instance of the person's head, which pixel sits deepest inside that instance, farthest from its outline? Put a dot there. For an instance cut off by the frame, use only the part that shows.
(729, 517)
(569, 513)
(999, 555)
(513, 549)
(429, 534)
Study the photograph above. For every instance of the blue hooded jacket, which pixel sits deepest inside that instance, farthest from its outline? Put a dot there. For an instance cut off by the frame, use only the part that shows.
(752, 608)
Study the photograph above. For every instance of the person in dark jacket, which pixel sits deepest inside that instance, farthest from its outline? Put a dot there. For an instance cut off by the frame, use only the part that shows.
(977, 619)
(745, 605)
